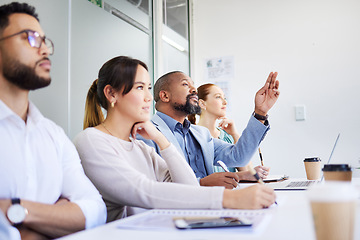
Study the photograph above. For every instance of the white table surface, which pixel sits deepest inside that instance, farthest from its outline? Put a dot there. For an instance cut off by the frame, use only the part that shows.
(291, 219)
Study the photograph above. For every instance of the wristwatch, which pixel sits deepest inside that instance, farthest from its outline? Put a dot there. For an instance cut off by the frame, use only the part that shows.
(16, 213)
(260, 117)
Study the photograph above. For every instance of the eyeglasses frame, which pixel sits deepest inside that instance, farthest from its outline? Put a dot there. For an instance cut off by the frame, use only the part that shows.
(34, 32)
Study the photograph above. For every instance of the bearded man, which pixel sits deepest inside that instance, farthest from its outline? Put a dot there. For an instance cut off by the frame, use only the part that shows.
(44, 192)
(176, 98)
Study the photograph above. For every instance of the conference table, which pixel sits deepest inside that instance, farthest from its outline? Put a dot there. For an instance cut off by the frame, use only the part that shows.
(290, 219)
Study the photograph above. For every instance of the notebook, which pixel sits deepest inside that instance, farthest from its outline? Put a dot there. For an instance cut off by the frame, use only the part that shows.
(300, 185)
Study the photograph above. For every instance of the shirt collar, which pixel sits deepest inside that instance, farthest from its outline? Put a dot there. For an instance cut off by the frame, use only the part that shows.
(172, 123)
(33, 117)
(34, 114)
(5, 111)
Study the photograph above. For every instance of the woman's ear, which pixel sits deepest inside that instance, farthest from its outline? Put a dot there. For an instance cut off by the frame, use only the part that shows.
(202, 104)
(110, 94)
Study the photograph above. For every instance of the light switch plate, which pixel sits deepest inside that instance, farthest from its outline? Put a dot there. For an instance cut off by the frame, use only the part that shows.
(300, 114)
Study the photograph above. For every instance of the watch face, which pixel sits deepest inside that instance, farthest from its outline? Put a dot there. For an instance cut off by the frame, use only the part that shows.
(16, 213)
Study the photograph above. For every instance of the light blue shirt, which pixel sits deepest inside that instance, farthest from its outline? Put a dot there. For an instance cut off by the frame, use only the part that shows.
(188, 144)
(212, 149)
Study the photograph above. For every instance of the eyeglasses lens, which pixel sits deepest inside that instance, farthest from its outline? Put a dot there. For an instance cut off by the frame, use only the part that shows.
(35, 40)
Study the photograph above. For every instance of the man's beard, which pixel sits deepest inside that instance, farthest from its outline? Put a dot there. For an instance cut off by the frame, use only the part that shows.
(23, 76)
(188, 108)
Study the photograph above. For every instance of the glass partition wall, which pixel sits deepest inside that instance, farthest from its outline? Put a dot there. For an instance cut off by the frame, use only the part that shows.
(86, 33)
(125, 27)
(175, 35)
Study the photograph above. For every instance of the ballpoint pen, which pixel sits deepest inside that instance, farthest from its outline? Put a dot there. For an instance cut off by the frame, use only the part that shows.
(255, 174)
(222, 164)
(261, 158)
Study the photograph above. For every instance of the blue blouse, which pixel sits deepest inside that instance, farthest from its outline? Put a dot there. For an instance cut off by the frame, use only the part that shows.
(226, 138)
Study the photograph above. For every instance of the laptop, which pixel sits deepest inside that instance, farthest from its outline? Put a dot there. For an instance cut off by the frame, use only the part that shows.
(300, 185)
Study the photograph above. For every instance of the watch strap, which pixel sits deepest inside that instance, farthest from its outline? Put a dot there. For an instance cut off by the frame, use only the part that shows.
(15, 201)
(260, 117)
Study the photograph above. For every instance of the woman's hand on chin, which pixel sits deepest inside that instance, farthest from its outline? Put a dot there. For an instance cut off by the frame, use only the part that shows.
(148, 131)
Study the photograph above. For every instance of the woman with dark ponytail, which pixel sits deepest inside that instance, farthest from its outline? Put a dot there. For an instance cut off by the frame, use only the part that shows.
(93, 114)
(128, 173)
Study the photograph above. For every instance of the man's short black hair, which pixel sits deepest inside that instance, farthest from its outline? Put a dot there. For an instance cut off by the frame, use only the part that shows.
(14, 7)
(162, 84)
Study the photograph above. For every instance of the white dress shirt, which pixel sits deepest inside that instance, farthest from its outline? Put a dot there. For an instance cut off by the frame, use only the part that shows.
(39, 163)
(6, 231)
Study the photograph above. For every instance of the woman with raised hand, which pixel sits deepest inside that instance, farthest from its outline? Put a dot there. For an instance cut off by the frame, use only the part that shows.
(213, 108)
(128, 173)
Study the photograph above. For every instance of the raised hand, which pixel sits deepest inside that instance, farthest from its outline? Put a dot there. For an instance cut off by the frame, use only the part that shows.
(267, 96)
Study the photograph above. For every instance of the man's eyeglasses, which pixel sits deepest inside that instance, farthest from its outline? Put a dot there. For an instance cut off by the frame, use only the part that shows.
(35, 40)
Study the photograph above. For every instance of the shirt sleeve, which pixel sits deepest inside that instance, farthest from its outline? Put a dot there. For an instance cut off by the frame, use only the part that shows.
(239, 154)
(121, 183)
(179, 170)
(6, 230)
(79, 189)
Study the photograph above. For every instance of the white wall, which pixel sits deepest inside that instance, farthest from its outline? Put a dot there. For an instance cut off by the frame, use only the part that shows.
(314, 45)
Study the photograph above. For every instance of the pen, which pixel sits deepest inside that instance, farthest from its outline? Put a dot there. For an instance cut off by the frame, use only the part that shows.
(255, 174)
(261, 159)
(222, 164)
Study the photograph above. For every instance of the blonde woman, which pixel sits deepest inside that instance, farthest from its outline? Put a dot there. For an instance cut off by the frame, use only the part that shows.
(213, 108)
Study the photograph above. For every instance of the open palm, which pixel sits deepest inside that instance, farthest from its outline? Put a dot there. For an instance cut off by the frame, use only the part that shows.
(267, 96)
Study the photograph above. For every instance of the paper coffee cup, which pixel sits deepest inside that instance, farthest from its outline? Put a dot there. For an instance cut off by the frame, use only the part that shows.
(337, 172)
(333, 206)
(312, 168)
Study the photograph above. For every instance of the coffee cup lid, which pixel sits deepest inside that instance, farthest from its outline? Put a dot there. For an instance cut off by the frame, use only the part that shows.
(313, 159)
(336, 167)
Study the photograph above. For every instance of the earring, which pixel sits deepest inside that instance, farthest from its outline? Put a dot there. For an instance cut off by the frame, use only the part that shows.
(112, 104)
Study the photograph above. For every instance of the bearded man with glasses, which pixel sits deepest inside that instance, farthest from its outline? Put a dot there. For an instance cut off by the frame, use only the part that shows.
(43, 189)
